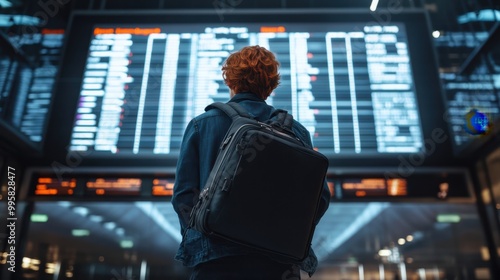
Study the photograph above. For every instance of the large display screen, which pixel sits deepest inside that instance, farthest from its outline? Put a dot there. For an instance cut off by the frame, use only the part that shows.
(350, 84)
(365, 88)
(26, 84)
(478, 90)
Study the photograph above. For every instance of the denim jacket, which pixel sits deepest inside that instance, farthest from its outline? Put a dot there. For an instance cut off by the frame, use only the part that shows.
(199, 149)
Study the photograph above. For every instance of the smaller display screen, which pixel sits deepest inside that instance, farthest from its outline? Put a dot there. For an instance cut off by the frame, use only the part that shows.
(163, 187)
(7, 70)
(27, 81)
(397, 187)
(364, 187)
(113, 186)
(467, 92)
(430, 186)
(47, 186)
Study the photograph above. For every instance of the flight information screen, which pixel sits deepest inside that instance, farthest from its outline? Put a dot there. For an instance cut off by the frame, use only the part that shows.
(351, 87)
(26, 90)
(470, 91)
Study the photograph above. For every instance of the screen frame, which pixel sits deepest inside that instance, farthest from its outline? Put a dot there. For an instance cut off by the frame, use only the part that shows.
(12, 137)
(428, 88)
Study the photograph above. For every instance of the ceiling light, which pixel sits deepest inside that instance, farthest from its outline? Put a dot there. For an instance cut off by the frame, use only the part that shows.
(81, 210)
(126, 244)
(5, 4)
(374, 5)
(50, 265)
(401, 241)
(95, 218)
(64, 203)
(409, 238)
(39, 218)
(120, 231)
(436, 33)
(34, 267)
(448, 218)
(110, 225)
(80, 232)
(384, 252)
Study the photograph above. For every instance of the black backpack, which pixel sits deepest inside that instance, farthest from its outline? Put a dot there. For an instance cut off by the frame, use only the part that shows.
(265, 187)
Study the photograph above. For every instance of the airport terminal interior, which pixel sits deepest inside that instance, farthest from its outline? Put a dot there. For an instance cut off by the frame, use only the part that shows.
(401, 96)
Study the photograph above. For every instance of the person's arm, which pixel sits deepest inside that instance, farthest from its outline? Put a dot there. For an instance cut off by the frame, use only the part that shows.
(187, 182)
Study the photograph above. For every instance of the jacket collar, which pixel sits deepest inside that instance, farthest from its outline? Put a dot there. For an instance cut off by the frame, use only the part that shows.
(246, 96)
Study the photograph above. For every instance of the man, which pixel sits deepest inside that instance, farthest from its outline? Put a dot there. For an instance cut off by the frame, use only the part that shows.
(251, 75)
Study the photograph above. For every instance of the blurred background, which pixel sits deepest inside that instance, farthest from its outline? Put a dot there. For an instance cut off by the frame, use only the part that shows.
(402, 96)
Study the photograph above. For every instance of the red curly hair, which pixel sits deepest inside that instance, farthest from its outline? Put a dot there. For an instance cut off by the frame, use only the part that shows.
(252, 69)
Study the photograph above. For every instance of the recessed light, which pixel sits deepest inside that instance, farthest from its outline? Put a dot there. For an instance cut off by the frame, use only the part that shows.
(80, 232)
(39, 218)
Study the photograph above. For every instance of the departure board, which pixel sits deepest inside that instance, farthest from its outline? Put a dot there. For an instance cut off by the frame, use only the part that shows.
(51, 186)
(352, 88)
(478, 90)
(113, 186)
(465, 93)
(163, 187)
(372, 187)
(26, 90)
(6, 79)
(45, 50)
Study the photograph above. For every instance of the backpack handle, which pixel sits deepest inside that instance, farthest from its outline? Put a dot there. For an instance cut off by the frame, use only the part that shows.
(284, 119)
(232, 109)
(235, 110)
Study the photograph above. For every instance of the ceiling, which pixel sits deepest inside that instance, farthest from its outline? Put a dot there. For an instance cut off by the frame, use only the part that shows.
(445, 16)
(348, 232)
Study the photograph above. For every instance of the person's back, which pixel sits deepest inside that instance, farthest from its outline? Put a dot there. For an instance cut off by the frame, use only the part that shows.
(251, 74)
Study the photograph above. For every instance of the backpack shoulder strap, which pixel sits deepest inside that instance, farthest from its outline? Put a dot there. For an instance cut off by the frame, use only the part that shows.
(284, 119)
(232, 109)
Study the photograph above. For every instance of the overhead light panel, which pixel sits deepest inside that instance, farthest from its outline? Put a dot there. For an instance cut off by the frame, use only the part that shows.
(80, 232)
(110, 225)
(120, 231)
(448, 218)
(5, 4)
(96, 218)
(373, 5)
(125, 244)
(64, 203)
(81, 210)
(39, 218)
(384, 252)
